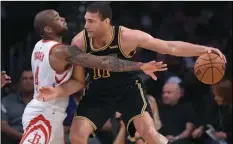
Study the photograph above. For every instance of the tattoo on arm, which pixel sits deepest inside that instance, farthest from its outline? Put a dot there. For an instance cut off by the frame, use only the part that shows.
(110, 63)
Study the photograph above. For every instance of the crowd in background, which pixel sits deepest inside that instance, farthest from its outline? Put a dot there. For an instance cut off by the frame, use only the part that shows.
(185, 110)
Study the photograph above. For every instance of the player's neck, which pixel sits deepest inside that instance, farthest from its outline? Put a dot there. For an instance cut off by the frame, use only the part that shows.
(53, 37)
(27, 96)
(104, 38)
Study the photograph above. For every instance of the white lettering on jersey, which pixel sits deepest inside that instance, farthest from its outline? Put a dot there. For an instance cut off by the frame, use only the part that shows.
(44, 75)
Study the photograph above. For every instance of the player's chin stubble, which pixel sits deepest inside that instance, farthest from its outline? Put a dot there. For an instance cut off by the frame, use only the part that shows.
(90, 35)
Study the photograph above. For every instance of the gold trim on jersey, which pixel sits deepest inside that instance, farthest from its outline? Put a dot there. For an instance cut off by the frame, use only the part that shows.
(119, 43)
(143, 107)
(90, 122)
(85, 40)
(98, 73)
(106, 46)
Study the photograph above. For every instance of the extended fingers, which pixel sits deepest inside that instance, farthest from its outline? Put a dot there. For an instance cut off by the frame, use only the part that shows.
(161, 69)
(152, 75)
(218, 52)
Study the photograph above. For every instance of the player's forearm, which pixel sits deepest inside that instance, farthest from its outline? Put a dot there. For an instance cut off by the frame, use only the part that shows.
(11, 132)
(117, 65)
(70, 87)
(179, 48)
(110, 63)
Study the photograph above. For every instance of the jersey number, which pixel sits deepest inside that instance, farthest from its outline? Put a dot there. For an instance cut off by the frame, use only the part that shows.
(36, 76)
(98, 73)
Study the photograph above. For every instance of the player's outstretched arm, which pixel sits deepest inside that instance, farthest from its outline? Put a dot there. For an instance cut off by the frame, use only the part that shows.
(73, 55)
(176, 48)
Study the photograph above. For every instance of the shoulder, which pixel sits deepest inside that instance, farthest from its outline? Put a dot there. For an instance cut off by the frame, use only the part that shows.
(47, 42)
(9, 98)
(134, 35)
(126, 33)
(79, 40)
(79, 36)
(46, 45)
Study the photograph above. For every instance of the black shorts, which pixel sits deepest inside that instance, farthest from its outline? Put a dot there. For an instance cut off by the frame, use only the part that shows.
(98, 104)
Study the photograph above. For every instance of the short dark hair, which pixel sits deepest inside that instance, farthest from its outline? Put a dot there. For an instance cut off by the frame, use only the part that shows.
(102, 8)
(25, 68)
(40, 20)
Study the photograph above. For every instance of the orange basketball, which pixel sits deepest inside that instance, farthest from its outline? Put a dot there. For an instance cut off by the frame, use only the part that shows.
(209, 68)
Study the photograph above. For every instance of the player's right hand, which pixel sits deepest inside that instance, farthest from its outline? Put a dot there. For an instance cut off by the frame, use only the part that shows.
(150, 67)
(47, 93)
(216, 51)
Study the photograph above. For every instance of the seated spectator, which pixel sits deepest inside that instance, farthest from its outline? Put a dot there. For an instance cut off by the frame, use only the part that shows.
(13, 107)
(177, 118)
(218, 114)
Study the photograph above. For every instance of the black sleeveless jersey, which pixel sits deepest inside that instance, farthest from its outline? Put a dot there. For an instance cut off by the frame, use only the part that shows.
(113, 48)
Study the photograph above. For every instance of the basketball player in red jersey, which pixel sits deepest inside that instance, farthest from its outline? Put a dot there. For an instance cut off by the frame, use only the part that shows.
(111, 92)
(52, 65)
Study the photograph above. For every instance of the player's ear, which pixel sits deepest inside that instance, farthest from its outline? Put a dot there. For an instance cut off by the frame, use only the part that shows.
(107, 20)
(47, 29)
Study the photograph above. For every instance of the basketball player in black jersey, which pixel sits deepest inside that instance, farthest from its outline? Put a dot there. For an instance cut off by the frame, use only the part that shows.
(50, 26)
(109, 92)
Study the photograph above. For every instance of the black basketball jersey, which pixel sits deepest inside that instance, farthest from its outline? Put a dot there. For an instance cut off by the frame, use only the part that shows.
(113, 48)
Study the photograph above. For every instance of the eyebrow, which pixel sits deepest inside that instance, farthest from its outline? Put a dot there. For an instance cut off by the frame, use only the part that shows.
(56, 14)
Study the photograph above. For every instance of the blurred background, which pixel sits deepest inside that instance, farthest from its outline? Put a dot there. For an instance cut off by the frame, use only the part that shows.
(201, 107)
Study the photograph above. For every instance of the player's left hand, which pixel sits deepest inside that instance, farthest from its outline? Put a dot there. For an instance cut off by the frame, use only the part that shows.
(216, 51)
(47, 93)
(150, 67)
